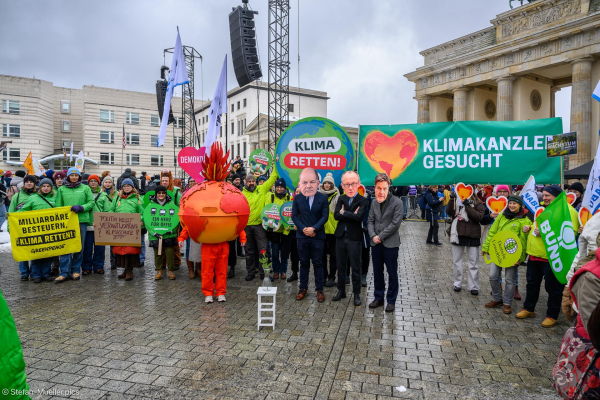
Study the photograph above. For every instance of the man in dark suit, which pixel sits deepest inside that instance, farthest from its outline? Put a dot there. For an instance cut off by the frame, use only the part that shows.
(349, 213)
(309, 213)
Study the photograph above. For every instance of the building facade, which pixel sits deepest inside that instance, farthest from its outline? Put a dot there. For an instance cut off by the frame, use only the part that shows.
(513, 69)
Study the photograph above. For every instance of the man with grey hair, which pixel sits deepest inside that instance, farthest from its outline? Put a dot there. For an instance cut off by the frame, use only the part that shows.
(310, 213)
(384, 221)
(349, 212)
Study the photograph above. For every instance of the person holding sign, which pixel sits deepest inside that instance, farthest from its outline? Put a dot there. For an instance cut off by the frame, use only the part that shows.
(165, 243)
(17, 202)
(40, 268)
(513, 219)
(128, 201)
(81, 200)
(166, 180)
(538, 268)
(328, 189)
(279, 237)
(93, 256)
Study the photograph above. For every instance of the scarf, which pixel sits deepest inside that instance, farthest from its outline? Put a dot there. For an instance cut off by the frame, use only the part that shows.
(281, 195)
(334, 199)
(510, 215)
(162, 203)
(73, 185)
(462, 215)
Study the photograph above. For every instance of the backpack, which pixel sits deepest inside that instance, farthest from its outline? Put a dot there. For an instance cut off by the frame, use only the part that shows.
(422, 202)
(11, 191)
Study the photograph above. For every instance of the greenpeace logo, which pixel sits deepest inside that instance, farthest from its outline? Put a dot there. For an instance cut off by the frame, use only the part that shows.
(566, 240)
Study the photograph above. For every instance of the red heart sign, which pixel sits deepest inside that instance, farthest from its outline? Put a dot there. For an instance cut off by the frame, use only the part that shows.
(571, 198)
(391, 155)
(497, 204)
(584, 215)
(464, 191)
(189, 159)
(538, 212)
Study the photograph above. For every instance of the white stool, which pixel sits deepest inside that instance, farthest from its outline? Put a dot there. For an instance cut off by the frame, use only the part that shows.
(266, 307)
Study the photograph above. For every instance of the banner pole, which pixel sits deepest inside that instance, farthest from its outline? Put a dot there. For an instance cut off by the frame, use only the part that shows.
(562, 173)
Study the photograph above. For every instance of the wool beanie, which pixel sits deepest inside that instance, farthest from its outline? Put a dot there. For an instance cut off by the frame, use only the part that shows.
(95, 177)
(516, 199)
(20, 173)
(554, 190)
(577, 186)
(127, 181)
(46, 181)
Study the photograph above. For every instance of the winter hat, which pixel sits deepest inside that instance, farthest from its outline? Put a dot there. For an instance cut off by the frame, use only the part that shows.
(30, 178)
(73, 170)
(108, 178)
(60, 175)
(502, 187)
(261, 178)
(8, 174)
(160, 188)
(127, 181)
(329, 178)
(250, 177)
(554, 190)
(49, 173)
(85, 177)
(577, 186)
(234, 177)
(46, 181)
(280, 182)
(93, 176)
(516, 199)
(20, 174)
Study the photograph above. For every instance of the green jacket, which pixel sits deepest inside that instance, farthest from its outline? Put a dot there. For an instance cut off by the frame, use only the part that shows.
(82, 196)
(256, 199)
(331, 223)
(270, 198)
(177, 194)
(37, 202)
(130, 204)
(168, 235)
(19, 198)
(101, 202)
(514, 225)
(535, 244)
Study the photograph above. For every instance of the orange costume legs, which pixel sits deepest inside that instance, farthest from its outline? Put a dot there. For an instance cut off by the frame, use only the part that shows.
(214, 268)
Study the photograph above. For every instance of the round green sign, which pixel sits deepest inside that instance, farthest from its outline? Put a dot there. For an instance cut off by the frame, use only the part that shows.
(286, 215)
(260, 160)
(161, 219)
(505, 249)
(152, 193)
(271, 216)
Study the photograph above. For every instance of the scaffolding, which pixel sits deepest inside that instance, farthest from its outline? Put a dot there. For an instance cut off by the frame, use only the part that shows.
(279, 69)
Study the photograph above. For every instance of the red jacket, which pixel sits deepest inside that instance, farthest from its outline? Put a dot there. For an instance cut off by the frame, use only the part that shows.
(594, 268)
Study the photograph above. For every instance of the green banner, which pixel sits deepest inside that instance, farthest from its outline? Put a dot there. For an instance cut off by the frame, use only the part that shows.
(467, 151)
(558, 234)
(161, 219)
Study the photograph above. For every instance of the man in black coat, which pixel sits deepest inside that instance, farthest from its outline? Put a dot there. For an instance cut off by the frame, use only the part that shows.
(349, 212)
(310, 212)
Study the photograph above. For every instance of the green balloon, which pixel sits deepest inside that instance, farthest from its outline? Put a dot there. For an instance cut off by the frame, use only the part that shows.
(161, 219)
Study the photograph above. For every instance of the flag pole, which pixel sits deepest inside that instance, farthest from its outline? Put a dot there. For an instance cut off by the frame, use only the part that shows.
(123, 150)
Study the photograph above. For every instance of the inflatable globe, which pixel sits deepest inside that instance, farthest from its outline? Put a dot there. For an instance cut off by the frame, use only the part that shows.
(314, 142)
(214, 212)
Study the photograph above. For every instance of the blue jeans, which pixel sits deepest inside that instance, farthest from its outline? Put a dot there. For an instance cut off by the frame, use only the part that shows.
(280, 260)
(187, 248)
(93, 256)
(2, 214)
(24, 269)
(143, 255)
(443, 214)
(405, 202)
(71, 263)
(41, 268)
(388, 257)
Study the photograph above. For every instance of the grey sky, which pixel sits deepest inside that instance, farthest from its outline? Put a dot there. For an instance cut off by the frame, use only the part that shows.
(355, 50)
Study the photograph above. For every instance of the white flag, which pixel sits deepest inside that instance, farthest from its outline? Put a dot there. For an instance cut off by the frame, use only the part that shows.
(596, 94)
(38, 168)
(71, 153)
(217, 108)
(529, 195)
(79, 162)
(177, 76)
(591, 198)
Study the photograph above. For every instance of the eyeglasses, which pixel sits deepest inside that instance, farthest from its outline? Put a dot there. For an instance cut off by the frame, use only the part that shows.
(350, 185)
(304, 183)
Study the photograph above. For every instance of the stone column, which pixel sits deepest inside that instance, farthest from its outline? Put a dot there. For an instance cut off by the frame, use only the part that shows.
(505, 98)
(460, 104)
(553, 91)
(581, 110)
(423, 112)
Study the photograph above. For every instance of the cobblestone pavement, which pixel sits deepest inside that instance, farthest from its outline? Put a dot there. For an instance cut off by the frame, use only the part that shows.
(110, 339)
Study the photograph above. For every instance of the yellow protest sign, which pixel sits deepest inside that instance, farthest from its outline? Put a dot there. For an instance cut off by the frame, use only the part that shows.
(505, 249)
(45, 233)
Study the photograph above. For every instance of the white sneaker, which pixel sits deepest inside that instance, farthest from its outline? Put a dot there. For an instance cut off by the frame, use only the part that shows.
(221, 298)
(208, 299)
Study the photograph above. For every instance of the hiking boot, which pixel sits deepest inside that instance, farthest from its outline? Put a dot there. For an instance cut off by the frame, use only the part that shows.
(123, 275)
(523, 314)
(507, 309)
(549, 322)
(517, 294)
(191, 273)
(198, 267)
(159, 275)
(171, 275)
(493, 304)
(128, 274)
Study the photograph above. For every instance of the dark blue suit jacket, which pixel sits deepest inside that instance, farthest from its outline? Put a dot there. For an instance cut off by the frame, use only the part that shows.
(315, 217)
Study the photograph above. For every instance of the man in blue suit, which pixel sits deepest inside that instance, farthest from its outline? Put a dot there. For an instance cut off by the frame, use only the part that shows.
(310, 211)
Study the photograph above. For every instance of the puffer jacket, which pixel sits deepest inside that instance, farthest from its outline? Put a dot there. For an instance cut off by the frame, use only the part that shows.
(101, 202)
(80, 195)
(535, 244)
(514, 225)
(36, 202)
(129, 204)
(472, 227)
(168, 235)
(256, 198)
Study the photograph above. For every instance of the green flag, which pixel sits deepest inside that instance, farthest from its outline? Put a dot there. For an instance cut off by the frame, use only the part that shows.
(558, 235)
(13, 382)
